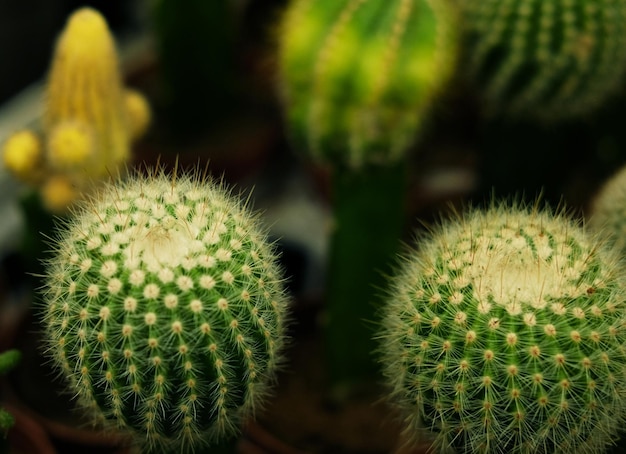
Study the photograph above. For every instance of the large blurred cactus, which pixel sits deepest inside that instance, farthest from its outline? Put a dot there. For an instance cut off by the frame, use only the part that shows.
(358, 77)
(551, 59)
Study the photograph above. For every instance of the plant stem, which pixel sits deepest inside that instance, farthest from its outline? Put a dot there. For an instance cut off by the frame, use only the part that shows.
(369, 207)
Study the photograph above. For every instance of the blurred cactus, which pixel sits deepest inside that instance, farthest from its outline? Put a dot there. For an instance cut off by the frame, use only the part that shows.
(608, 210)
(196, 45)
(89, 118)
(358, 77)
(165, 309)
(8, 360)
(547, 59)
(505, 333)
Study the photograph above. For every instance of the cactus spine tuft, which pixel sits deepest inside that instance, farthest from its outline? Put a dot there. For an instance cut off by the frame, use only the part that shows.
(505, 333)
(165, 310)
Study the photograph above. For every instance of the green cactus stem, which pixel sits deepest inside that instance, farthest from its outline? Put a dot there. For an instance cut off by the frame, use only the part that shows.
(165, 310)
(505, 332)
(545, 59)
(366, 234)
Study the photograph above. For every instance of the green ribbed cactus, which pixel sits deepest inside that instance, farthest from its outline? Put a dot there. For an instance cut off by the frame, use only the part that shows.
(505, 333)
(165, 310)
(608, 210)
(358, 76)
(550, 59)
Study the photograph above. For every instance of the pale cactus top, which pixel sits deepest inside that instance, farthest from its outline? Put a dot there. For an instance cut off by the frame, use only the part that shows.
(505, 333)
(165, 309)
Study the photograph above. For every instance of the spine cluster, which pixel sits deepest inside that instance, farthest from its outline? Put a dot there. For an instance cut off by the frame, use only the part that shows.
(551, 59)
(165, 310)
(89, 121)
(505, 333)
(359, 75)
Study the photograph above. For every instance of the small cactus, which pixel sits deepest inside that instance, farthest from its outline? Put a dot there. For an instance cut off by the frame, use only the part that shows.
(165, 310)
(608, 210)
(359, 76)
(8, 360)
(505, 333)
(548, 59)
(90, 119)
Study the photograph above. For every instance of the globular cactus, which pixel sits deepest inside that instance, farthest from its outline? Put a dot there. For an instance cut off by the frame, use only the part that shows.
(546, 59)
(505, 333)
(608, 211)
(165, 309)
(90, 119)
(358, 76)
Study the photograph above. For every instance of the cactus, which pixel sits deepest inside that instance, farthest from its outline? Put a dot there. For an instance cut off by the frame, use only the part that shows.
(608, 210)
(545, 59)
(8, 360)
(89, 119)
(359, 76)
(85, 89)
(505, 333)
(165, 310)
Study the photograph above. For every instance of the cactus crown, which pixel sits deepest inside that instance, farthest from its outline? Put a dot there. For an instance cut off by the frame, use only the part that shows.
(165, 310)
(548, 59)
(505, 333)
(358, 76)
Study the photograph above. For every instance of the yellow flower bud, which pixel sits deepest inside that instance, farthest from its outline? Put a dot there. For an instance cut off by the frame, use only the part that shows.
(138, 112)
(22, 155)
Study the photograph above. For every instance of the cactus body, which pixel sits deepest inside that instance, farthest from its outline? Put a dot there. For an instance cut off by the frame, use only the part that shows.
(85, 88)
(550, 59)
(359, 75)
(165, 309)
(505, 333)
(608, 210)
(90, 119)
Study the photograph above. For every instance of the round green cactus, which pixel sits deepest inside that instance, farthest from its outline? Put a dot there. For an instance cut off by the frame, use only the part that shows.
(550, 59)
(608, 210)
(165, 309)
(505, 333)
(358, 76)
